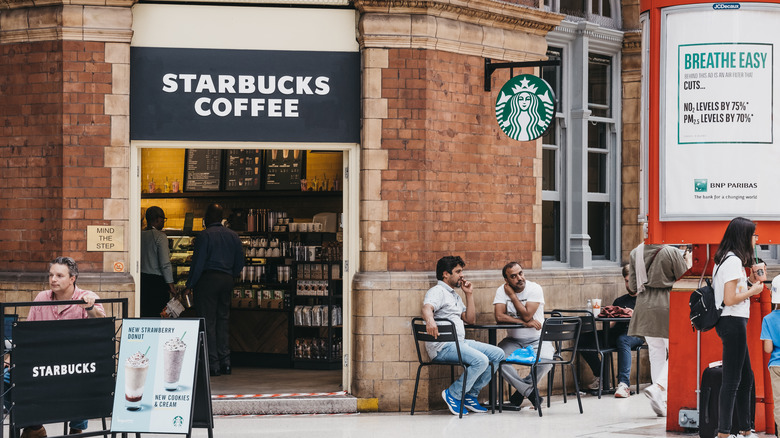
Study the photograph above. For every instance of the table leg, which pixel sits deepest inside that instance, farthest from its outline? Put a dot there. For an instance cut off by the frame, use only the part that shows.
(492, 384)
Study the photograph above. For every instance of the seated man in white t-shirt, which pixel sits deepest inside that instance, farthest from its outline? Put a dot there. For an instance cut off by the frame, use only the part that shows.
(518, 301)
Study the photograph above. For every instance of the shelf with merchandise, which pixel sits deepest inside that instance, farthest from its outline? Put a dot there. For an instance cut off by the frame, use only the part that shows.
(242, 194)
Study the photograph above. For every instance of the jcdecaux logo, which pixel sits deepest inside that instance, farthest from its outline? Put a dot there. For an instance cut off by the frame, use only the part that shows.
(721, 6)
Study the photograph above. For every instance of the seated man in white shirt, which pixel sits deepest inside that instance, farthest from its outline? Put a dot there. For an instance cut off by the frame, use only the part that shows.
(518, 301)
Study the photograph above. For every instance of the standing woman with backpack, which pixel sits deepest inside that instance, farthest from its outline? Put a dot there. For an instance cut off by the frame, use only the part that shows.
(734, 254)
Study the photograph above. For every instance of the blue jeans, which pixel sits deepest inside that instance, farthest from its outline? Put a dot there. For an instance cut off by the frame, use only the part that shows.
(74, 424)
(477, 357)
(625, 345)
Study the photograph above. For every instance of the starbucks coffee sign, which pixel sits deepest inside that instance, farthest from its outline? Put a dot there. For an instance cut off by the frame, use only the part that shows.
(525, 107)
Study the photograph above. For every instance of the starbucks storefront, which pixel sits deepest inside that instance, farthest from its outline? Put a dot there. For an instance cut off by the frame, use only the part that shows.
(228, 106)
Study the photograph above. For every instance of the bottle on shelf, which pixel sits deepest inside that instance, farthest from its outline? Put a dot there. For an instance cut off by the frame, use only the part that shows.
(166, 186)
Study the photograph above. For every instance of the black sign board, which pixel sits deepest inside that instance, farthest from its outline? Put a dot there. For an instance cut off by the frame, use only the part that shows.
(243, 169)
(244, 95)
(203, 170)
(283, 169)
(64, 370)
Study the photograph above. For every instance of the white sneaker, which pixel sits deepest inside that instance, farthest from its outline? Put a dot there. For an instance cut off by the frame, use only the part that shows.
(657, 399)
(622, 391)
(595, 384)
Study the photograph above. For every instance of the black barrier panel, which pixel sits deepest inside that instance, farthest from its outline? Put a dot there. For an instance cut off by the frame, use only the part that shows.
(64, 370)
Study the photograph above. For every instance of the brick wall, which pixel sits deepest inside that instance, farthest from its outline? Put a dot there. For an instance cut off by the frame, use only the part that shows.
(55, 179)
(454, 182)
(32, 153)
(86, 132)
(64, 145)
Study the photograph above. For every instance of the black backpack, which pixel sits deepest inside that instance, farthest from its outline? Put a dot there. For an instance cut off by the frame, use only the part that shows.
(704, 312)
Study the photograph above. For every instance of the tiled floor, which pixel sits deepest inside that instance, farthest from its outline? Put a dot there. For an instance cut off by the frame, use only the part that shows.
(271, 381)
(605, 418)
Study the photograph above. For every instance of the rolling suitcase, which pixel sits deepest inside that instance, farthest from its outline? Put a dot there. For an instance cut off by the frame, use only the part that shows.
(711, 380)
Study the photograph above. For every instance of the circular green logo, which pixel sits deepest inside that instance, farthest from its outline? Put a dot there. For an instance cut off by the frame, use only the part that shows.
(525, 107)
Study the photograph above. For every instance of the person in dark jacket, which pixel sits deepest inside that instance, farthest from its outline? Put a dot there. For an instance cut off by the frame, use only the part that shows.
(217, 260)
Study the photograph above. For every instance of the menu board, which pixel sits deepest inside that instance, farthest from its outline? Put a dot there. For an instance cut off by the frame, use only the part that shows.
(243, 169)
(283, 169)
(203, 170)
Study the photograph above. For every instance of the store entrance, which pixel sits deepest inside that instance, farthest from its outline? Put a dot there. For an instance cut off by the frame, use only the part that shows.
(290, 208)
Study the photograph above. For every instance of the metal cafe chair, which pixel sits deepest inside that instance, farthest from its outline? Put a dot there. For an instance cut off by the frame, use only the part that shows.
(590, 329)
(564, 333)
(638, 350)
(447, 333)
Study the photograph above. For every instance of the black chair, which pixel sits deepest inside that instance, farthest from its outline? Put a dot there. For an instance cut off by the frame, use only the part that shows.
(638, 350)
(589, 329)
(563, 333)
(447, 333)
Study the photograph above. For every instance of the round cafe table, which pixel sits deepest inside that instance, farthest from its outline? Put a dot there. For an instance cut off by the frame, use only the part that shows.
(491, 329)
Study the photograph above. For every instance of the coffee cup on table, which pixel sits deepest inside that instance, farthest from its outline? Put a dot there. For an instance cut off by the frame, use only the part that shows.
(596, 306)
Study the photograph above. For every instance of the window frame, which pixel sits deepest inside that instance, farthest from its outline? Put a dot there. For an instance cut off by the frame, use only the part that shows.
(603, 41)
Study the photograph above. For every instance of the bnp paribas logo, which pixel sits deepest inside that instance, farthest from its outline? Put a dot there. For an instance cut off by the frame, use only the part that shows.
(525, 107)
(699, 185)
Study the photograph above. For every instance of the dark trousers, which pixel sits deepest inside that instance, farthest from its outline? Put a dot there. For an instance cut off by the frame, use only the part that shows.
(737, 374)
(155, 294)
(212, 297)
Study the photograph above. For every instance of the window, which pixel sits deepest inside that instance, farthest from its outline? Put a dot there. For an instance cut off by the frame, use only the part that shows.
(600, 152)
(581, 216)
(602, 12)
(599, 85)
(552, 227)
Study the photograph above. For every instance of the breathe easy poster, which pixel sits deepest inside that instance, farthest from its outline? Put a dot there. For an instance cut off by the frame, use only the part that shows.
(717, 145)
(155, 376)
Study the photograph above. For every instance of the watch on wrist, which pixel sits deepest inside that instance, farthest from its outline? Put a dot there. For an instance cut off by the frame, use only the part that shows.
(89, 308)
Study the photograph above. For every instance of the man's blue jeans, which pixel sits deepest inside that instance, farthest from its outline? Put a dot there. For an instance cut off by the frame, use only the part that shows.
(625, 345)
(477, 356)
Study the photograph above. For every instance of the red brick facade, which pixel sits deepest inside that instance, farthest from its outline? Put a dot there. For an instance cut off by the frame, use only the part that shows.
(450, 169)
(54, 180)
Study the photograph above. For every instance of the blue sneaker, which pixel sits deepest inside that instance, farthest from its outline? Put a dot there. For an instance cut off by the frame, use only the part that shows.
(473, 405)
(452, 403)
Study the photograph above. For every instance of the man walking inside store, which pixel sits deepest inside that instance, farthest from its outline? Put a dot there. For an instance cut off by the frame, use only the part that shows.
(518, 301)
(441, 301)
(217, 259)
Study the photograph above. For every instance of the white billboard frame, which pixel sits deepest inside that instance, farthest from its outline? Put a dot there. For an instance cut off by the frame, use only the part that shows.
(700, 176)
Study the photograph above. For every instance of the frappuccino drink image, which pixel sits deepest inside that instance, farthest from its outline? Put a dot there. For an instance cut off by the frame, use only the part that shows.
(136, 368)
(173, 356)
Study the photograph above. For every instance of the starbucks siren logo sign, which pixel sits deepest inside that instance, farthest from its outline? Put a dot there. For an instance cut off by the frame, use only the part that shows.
(525, 108)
